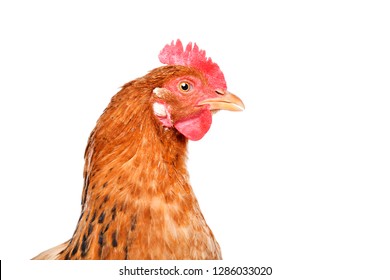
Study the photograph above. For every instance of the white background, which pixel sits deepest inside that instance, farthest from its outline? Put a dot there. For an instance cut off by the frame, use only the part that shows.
(299, 181)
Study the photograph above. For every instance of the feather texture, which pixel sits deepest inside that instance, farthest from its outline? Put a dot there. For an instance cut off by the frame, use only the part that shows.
(137, 202)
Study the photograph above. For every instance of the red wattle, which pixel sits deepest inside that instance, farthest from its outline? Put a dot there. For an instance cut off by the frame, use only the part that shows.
(195, 127)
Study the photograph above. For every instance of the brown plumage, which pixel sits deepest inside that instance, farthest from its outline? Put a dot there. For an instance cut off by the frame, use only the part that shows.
(137, 202)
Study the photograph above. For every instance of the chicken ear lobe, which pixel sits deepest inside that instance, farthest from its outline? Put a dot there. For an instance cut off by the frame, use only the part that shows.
(195, 127)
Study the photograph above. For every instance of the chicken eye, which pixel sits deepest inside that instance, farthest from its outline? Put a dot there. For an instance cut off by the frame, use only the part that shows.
(185, 87)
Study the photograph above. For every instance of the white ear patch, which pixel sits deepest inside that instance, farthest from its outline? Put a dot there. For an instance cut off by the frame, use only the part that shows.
(159, 109)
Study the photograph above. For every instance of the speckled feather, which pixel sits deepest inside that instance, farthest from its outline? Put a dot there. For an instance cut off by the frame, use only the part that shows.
(137, 202)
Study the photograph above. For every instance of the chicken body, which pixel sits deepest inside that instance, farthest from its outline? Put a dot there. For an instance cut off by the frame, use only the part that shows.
(137, 202)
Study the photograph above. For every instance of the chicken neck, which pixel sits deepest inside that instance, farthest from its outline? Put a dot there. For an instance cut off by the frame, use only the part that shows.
(137, 202)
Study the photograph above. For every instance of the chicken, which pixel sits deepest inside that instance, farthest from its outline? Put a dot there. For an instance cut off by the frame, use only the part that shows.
(137, 202)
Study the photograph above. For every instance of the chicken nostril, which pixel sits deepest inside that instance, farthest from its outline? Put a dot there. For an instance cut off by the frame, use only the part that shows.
(221, 92)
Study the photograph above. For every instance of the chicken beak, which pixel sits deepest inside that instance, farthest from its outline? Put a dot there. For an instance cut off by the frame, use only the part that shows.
(226, 101)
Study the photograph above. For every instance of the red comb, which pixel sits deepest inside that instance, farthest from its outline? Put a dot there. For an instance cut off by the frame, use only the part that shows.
(174, 54)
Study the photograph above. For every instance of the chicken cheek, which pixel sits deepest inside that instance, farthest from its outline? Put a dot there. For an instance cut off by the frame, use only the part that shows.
(195, 127)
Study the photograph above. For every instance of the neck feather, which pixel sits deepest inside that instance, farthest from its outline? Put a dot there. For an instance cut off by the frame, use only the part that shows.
(136, 183)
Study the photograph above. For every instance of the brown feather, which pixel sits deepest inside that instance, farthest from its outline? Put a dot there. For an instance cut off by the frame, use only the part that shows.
(137, 202)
